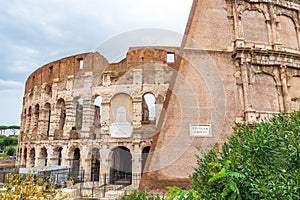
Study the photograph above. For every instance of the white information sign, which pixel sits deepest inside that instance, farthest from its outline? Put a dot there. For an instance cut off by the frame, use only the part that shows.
(200, 130)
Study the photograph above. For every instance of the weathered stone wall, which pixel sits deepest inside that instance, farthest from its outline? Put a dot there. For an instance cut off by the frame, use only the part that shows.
(240, 64)
(73, 114)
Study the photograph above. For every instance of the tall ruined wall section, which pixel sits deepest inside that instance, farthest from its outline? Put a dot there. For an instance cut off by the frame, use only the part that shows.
(240, 63)
(60, 69)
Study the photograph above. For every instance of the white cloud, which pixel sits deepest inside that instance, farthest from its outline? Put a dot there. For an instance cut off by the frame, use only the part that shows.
(33, 33)
(10, 84)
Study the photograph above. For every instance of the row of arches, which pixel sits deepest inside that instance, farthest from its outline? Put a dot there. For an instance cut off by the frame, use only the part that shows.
(267, 92)
(258, 26)
(120, 166)
(37, 118)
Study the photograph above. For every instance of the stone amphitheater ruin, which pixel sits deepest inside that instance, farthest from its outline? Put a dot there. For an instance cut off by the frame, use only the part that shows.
(239, 62)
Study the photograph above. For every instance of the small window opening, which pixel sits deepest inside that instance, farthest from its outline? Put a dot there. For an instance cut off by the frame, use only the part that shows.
(80, 63)
(170, 57)
(51, 69)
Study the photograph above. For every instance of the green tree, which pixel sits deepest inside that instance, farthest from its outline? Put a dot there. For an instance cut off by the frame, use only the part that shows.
(11, 151)
(264, 163)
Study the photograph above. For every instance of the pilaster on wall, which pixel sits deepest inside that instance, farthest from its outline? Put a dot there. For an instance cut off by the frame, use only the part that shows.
(70, 117)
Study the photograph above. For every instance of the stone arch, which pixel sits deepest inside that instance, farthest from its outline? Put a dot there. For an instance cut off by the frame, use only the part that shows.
(254, 26)
(95, 164)
(98, 110)
(43, 157)
(47, 117)
(32, 157)
(25, 156)
(78, 101)
(58, 154)
(148, 108)
(294, 92)
(61, 108)
(75, 162)
(124, 101)
(145, 153)
(264, 93)
(29, 118)
(36, 117)
(121, 166)
(288, 31)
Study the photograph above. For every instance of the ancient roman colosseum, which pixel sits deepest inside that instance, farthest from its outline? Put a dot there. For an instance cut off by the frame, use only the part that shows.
(83, 112)
(239, 63)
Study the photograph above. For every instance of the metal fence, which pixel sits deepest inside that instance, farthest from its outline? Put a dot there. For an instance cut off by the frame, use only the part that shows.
(105, 187)
(90, 185)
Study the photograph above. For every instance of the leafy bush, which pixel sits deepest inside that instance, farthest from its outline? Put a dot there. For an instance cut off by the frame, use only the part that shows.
(30, 187)
(142, 195)
(265, 159)
(11, 150)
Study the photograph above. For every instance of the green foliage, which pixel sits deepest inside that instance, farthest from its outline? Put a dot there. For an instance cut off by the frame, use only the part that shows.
(140, 195)
(8, 141)
(11, 150)
(179, 194)
(230, 189)
(260, 162)
(30, 187)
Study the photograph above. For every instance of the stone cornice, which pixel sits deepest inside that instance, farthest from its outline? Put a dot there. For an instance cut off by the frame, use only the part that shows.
(267, 57)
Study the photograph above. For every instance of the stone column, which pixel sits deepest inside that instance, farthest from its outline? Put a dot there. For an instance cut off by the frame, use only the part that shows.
(85, 157)
(285, 93)
(70, 117)
(105, 115)
(245, 84)
(87, 118)
(51, 157)
(137, 112)
(65, 159)
(136, 164)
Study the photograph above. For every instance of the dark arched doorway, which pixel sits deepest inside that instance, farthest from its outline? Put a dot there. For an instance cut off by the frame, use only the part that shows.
(95, 165)
(75, 164)
(121, 166)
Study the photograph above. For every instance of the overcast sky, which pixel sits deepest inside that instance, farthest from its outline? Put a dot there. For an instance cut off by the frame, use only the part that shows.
(36, 32)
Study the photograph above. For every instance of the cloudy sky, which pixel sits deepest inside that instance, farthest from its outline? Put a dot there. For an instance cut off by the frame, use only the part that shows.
(35, 32)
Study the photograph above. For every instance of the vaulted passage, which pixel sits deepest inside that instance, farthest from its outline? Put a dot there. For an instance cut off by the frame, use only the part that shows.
(121, 166)
(75, 164)
(95, 165)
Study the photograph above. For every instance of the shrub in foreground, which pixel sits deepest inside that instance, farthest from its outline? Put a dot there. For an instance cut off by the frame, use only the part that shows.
(265, 159)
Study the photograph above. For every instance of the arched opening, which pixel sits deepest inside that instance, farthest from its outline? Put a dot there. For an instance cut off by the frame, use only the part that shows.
(255, 27)
(62, 113)
(145, 154)
(288, 32)
(36, 116)
(58, 155)
(266, 85)
(25, 156)
(98, 111)
(121, 166)
(75, 164)
(95, 165)
(43, 157)
(28, 119)
(121, 116)
(148, 111)
(294, 93)
(47, 117)
(79, 113)
(32, 158)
